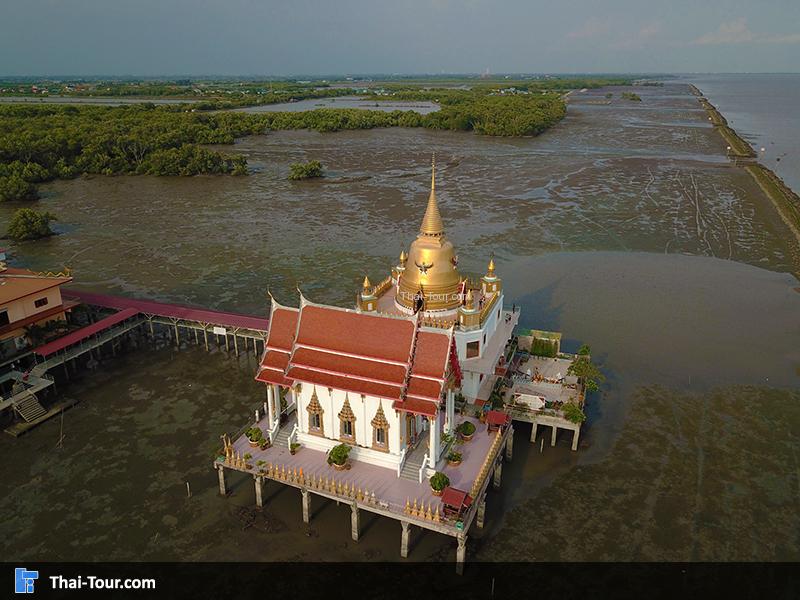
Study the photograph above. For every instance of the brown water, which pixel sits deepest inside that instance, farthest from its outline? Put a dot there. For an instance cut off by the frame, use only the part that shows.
(610, 227)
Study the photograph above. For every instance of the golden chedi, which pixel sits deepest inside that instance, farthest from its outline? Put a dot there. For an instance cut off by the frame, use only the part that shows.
(430, 280)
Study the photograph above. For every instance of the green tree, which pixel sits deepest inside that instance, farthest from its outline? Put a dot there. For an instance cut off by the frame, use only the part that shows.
(585, 370)
(312, 168)
(29, 224)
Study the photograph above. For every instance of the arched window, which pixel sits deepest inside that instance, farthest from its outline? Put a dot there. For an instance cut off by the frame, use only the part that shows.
(315, 412)
(347, 423)
(380, 430)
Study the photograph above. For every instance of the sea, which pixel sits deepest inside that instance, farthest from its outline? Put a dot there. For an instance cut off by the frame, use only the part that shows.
(764, 109)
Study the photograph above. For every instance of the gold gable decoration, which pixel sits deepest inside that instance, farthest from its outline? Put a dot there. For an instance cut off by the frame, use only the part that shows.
(346, 414)
(314, 407)
(379, 420)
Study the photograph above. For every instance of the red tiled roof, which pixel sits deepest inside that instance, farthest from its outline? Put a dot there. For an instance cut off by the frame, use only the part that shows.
(424, 388)
(456, 498)
(275, 360)
(346, 365)
(495, 417)
(359, 353)
(356, 333)
(416, 406)
(431, 356)
(272, 376)
(339, 382)
(282, 328)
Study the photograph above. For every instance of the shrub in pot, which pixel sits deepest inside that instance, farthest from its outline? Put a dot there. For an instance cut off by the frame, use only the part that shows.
(438, 482)
(454, 458)
(466, 430)
(337, 457)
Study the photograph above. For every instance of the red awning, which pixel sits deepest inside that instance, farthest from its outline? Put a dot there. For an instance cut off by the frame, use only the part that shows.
(456, 498)
(81, 334)
(495, 417)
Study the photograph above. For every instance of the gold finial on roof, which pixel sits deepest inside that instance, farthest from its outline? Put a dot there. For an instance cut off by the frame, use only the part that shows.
(403, 257)
(367, 283)
(490, 271)
(432, 221)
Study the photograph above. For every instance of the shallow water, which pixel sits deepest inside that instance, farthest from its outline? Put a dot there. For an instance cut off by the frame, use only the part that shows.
(423, 107)
(614, 227)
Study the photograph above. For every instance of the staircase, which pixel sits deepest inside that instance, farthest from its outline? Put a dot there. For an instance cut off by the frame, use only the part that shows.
(282, 439)
(410, 470)
(29, 408)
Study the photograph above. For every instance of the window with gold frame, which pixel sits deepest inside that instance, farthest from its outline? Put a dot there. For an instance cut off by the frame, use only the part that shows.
(315, 413)
(380, 430)
(347, 422)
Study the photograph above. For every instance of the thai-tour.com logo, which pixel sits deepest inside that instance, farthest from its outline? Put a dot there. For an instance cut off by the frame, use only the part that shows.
(25, 582)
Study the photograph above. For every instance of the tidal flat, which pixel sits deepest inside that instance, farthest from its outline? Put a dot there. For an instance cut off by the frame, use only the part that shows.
(624, 226)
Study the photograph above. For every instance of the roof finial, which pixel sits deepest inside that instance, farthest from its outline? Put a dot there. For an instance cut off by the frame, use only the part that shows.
(432, 221)
(367, 284)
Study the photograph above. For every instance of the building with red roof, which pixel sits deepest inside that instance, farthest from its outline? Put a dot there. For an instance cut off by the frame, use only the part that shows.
(28, 299)
(382, 376)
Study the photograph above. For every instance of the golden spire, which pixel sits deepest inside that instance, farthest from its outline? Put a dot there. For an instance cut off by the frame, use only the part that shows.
(367, 284)
(403, 257)
(432, 221)
(490, 271)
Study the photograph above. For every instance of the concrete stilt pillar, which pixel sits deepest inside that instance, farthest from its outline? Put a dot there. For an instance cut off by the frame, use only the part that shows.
(223, 491)
(205, 337)
(461, 554)
(236, 344)
(177, 336)
(306, 505)
(480, 517)
(534, 426)
(259, 492)
(498, 475)
(576, 434)
(196, 340)
(405, 538)
(510, 447)
(152, 333)
(554, 435)
(354, 529)
(227, 344)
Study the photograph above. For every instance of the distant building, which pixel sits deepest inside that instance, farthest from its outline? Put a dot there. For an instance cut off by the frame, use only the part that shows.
(27, 298)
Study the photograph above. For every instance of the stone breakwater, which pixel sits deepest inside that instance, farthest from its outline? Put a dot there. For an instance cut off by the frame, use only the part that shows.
(785, 200)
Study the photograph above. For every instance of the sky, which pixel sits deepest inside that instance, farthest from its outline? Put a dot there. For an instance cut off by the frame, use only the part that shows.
(326, 37)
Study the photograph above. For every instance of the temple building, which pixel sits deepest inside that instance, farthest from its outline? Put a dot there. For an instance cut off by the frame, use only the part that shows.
(382, 376)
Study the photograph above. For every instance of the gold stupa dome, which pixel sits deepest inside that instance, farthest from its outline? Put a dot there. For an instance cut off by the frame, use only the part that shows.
(367, 284)
(431, 269)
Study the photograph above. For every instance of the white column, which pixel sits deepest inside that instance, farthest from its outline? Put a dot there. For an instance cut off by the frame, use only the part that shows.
(451, 410)
(270, 409)
(435, 440)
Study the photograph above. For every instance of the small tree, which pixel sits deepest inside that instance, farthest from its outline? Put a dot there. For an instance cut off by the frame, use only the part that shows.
(312, 168)
(585, 370)
(573, 413)
(29, 224)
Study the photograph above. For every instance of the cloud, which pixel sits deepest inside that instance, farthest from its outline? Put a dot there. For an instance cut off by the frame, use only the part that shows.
(638, 39)
(737, 32)
(592, 28)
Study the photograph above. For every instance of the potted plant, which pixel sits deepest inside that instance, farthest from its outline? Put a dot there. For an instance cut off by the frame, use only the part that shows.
(337, 457)
(466, 430)
(293, 447)
(454, 458)
(438, 482)
(265, 443)
(255, 436)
